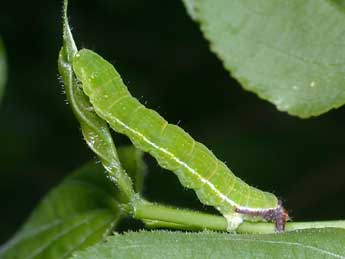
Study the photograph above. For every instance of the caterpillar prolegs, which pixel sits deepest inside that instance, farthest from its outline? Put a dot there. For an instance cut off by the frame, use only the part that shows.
(174, 149)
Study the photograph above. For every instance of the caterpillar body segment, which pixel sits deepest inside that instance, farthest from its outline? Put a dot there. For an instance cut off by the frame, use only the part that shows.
(174, 149)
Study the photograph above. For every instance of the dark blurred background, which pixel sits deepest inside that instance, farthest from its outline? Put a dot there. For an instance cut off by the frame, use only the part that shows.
(167, 64)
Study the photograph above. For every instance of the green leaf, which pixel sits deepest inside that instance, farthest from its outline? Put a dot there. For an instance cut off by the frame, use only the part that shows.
(291, 53)
(190, 6)
(3, 68)
(77, 213)
(340, 3)
(326, 243)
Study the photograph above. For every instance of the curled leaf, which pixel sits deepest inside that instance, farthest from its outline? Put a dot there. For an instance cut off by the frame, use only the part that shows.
(94, 129)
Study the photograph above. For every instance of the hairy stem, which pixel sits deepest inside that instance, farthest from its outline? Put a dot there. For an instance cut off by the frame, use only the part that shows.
(159, 216)
(170, 216)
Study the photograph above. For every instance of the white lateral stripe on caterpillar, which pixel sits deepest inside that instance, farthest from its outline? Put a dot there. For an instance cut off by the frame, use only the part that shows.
(105, 88)
(191, 170)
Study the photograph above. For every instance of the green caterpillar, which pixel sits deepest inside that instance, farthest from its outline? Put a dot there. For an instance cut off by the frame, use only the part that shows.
(174, 149)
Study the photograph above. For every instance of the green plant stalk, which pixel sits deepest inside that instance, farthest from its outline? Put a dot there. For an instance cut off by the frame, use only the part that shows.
(160, 216)
(164, 224)
(170, 216)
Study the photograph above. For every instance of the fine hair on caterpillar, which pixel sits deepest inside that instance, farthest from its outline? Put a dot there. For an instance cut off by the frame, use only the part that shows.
(279, 215)
(174, 149)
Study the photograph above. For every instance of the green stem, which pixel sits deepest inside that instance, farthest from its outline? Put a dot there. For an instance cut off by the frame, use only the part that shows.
(315, 224)
(160, 216)
(169, 216)
(164, 224)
